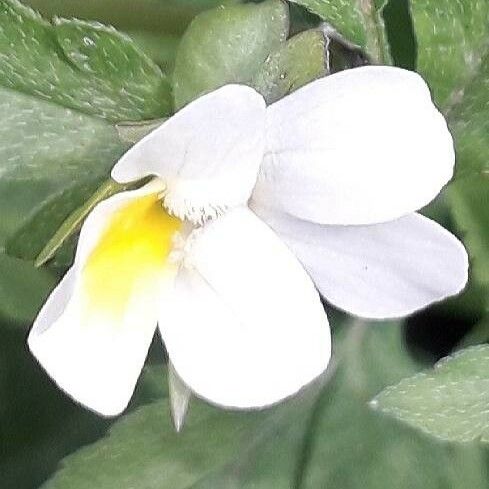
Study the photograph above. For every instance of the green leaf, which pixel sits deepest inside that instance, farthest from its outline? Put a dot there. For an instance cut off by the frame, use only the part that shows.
(23, 289)
(454, 59)
(453, 56)
(301, 59)
(84, 66)
(73, 222)
(450, 402)
(227, 45)
(132, 132)
(469, 193)
(358, 21)
(43, 141)
(452, 39)
(50, 155)
(352, 446)
(324, 437)
(27, 241)
(137, 89)
(57, 82)
(469, 198)
(150, 16)
(144, 451)
(161, 47)
(469, 122)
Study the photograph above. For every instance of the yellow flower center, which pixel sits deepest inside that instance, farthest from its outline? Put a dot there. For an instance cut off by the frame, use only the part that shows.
(130, 255)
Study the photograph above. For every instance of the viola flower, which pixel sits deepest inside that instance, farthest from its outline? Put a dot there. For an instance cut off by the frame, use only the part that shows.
(251, 211)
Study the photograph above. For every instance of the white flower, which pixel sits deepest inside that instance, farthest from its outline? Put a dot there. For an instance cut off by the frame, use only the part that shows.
(336, 169)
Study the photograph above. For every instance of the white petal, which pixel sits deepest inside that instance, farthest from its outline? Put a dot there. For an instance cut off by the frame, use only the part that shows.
(95, 351)
(362, 146)
(381, 270)
(208, 154)
(245, 327)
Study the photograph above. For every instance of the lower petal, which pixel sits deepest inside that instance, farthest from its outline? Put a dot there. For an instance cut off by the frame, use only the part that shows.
(93, 333)
(94, 357)
(245, 326)
(378, 271)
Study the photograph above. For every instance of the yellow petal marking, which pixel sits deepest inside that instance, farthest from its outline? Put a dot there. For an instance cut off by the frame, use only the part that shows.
(131, 255)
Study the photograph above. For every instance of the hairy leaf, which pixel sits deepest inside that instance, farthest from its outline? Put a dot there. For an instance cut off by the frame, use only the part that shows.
(132, 132)
(227, 45)
(57, 83)
(358, 21)
(469, 199)
(301, 59)
(72, 223)
(23, 289)
(51, 153)
(325, 437)
(453, 55)
(452, 38)
(84, 66)
(450, 402)
(28, 240)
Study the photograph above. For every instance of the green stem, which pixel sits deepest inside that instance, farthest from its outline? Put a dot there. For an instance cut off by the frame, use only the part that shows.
(377, 46)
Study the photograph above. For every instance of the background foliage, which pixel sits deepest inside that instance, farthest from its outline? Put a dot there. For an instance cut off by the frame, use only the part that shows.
(75, 94)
